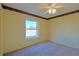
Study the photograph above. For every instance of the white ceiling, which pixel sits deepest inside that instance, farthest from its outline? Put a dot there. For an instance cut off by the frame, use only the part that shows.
(35, 8)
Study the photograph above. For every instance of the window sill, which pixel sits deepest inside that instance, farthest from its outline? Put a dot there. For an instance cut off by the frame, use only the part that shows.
(31, 38)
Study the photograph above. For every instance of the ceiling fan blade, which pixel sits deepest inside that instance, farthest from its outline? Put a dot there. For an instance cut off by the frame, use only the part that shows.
(45, 7)
(59, 6)
(53, 5)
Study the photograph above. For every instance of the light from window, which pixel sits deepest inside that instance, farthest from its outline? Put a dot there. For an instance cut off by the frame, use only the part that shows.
(31, 29)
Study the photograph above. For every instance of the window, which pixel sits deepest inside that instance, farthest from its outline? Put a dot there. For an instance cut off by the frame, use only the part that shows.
(31, 29)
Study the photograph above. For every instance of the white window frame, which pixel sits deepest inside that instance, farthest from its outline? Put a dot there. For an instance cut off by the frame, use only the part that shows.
(35, 37)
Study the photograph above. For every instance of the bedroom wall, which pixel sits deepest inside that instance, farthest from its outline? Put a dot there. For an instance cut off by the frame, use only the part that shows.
(1, 29)
(65, 30)
(0, 32)
(14, 32)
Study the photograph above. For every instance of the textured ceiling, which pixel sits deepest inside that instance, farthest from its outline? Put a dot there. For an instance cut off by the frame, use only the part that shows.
(36, 8)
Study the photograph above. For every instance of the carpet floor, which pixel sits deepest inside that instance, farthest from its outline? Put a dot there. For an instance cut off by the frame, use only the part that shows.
(46, 49)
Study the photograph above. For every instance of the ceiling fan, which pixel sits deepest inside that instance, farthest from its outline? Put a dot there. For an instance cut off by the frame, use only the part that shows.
(51, 8)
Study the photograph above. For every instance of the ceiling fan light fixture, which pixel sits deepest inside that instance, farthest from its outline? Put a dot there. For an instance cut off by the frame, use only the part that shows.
(52, 11)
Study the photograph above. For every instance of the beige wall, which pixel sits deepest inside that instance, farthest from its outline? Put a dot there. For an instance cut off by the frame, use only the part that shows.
(1, 33)
(13, 24)
(65, 30)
